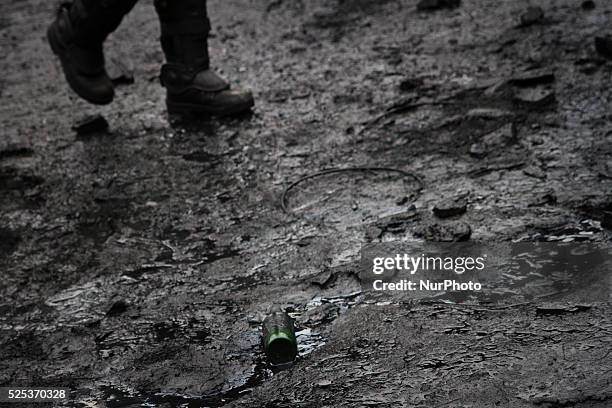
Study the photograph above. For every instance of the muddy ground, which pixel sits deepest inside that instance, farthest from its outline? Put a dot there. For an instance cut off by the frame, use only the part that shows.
(137, 264)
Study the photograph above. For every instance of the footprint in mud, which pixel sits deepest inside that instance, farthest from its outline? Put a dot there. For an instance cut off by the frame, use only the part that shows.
(350, 197)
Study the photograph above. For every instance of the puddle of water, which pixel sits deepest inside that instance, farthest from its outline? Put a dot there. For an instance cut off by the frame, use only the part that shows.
(315, 314)
(308, 341)
(586, 230)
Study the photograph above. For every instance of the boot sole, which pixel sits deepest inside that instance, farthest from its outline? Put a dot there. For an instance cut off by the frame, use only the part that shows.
(59, 51)
(182, 108)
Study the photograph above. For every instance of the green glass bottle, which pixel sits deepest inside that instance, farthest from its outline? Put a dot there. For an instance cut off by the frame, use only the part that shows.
(280, 344)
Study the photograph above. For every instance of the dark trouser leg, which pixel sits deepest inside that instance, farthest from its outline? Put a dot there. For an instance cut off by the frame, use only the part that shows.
(184, 31)
(76, 37)
(94, 20)
(190, 85)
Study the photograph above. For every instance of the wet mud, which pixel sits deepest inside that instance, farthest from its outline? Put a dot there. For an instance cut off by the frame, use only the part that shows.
(137, 262)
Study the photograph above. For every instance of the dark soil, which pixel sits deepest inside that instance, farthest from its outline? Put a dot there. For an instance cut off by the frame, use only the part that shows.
(137, 264)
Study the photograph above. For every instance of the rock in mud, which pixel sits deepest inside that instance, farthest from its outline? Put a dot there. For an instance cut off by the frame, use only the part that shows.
(554, 309)
(394, 224)
(117, 307)
(534, 171)
(324, 313)
(501, 137)
(90, 124)
(451, 232)
(373, 232)
(402, 200)
(533, 77)
(410, 84)
(588, 5)
(504, 136)
(120, 72)
(535, 96)
(548, 198)
(605, 169)
(531, 16)
(450, 208)
(478, 150)
(323, 279)
(432, 5)
(603, 45)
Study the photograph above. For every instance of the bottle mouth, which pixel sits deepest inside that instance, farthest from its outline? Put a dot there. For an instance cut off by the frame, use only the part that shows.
(281, 348)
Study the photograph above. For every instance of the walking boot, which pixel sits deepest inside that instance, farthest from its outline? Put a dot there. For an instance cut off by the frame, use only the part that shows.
(76, 37)
(191, 87)
(193, 90)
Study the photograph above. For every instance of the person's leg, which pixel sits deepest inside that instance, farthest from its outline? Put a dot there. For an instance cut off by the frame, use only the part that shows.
(76, 37)
(190, 85)
(184, 32)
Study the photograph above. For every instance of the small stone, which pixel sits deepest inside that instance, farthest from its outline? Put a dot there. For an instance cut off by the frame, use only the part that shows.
(607, 220)
(323, 279)
(478, 150)
(535, 96)
(534, 171)
(605, 169)
(117, 308)
(102, 195)
(558, 309)
(588, 5)
(533, 77)
(500, 88)
(410, 84)
(548, 198)
(373, 233)
(503, 136)
(319, 315)
(90, 124)
(120, 72)
(432, 5)
(603, 45)
(450, 208)
(452, 232)
(533, 15)
(402, 201)
(485, 83)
